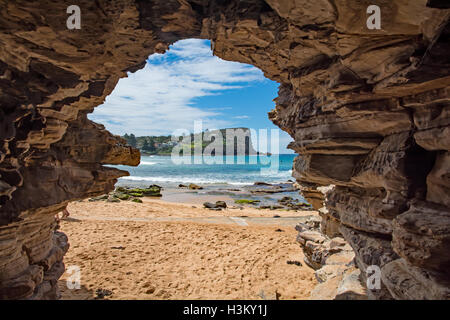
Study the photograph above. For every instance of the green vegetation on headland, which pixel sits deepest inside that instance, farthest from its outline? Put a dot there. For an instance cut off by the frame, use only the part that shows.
(153, 145)
(163, 145)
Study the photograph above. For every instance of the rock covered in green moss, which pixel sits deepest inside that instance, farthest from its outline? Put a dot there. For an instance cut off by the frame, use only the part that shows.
(122, 196)
(126, 193)
(152, 191)
(247, 201)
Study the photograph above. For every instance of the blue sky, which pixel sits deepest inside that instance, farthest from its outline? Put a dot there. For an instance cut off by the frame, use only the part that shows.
(188, 84)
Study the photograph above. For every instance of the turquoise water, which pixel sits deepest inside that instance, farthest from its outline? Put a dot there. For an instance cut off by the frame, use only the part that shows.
(235, 170)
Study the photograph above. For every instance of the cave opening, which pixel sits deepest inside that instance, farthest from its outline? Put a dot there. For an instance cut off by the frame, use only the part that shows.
(188, 90)
(352, 98)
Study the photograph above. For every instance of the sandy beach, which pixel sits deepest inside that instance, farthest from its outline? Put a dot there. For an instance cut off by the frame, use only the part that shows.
(164, 250)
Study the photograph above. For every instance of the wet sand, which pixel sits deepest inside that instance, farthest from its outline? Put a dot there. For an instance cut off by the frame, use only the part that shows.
(122, 249)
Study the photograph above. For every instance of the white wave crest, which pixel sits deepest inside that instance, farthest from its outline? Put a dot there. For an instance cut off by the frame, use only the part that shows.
(147, 163)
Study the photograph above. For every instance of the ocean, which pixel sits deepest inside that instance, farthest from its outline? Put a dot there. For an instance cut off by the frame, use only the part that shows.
(235, 170)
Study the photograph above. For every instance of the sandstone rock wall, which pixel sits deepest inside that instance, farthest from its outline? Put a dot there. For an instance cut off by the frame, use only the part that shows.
(368, 109)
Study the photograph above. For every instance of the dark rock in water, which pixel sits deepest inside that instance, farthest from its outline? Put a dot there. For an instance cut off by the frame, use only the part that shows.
(276, 216)
(273, 189)
(218, 205)
(219, 193)
(246, 201)
(271, 207)
(260, 183)
(193, 186)
(286, 199)
(182, 186)
(235, 190)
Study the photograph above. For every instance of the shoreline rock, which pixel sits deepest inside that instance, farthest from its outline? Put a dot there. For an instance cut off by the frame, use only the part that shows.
(219, 205)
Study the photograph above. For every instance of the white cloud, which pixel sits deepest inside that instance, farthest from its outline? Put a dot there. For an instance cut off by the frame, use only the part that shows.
(160, 98)
(273, 140)
(241, 117)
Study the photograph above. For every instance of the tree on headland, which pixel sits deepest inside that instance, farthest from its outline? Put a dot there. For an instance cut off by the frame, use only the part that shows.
(131, 139)
(148, 146)
(145, 146)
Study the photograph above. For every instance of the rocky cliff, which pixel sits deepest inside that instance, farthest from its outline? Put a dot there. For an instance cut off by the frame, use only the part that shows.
(368, 109)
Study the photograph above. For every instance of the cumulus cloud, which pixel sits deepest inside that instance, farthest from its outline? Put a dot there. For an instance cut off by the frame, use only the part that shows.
(160, 98)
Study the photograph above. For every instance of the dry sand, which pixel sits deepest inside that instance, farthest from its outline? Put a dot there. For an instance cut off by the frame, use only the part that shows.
(181, 260)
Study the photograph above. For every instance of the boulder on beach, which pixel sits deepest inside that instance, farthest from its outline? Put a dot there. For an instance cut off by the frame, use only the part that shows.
(193, 186)
(221, 204)
(215, 206)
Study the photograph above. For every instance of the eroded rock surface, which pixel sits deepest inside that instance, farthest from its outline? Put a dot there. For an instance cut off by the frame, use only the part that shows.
(368, 110)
